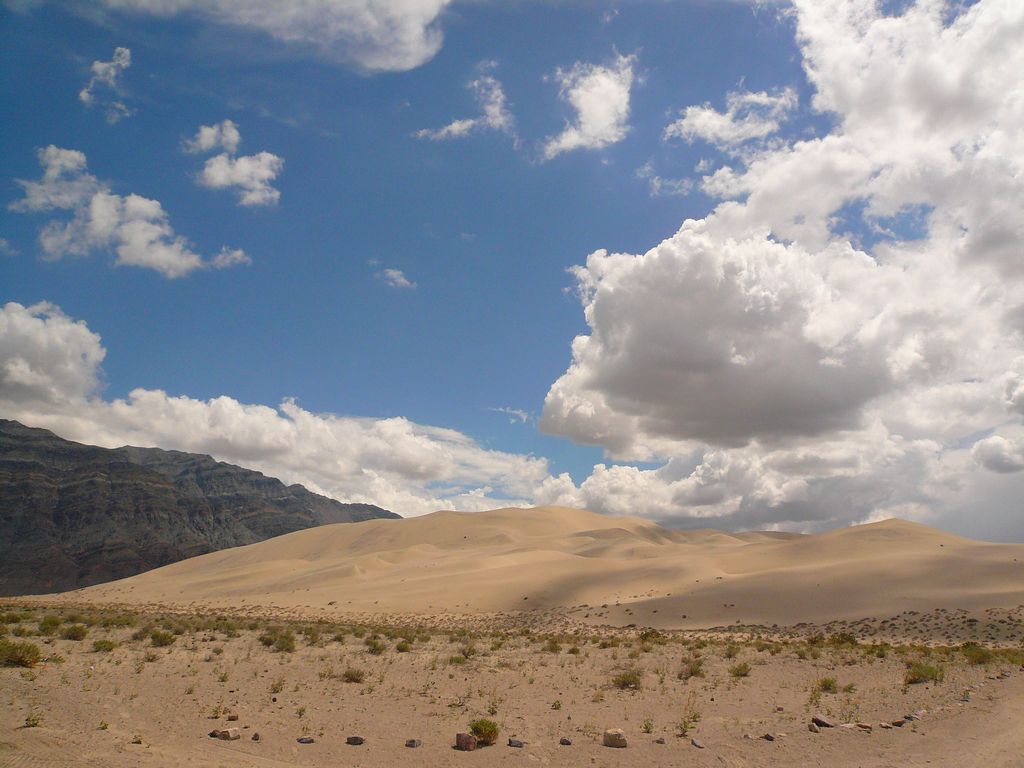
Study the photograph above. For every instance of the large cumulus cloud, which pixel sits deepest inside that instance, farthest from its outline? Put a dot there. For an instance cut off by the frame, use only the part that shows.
(840, 339)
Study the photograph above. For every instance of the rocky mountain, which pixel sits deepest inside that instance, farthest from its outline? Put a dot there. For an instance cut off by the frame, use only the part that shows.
(74, 515)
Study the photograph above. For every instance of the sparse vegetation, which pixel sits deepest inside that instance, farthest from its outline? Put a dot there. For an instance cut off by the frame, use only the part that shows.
(629, 680)
(18, 654)
(486, 731)
(740, 670)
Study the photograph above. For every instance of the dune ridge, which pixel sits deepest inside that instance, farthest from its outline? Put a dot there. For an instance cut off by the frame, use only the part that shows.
(601, 569)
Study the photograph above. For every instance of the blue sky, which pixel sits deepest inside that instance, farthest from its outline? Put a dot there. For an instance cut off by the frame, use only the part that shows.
(354, 249)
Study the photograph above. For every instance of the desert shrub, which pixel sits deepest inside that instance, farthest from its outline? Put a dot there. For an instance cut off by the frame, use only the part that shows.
(403, 646)
(552, 645)
(16, 617)
(740, 670)
(827, 685)
(486, 731)
(375, 645)
(691, 668)
(18, 654)
(456, 659)
(818, 639)
(731, 651)
(630, 679)
(74, 632)
(574, 650)
(353, 675)
(610, 643)
(285, 642)
(143, 632)
(976, 654)
(161, 639)
(103, 646)
(919, 672)
(277, 686)
(842, 638)
(48, 626)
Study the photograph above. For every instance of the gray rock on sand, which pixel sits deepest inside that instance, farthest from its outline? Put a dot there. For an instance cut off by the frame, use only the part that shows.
(564, 742)
(226, 734)
(813, 728)
(615, 737)
(413, 743)
(516, 743)
(255, 737)
(465, 742)
(768, 737)
(898, 722)
(305, 740)
(821, 722)
(355, 741)
(697, 743)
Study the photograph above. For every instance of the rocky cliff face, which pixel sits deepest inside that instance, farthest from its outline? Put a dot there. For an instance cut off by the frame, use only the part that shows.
(73, 515)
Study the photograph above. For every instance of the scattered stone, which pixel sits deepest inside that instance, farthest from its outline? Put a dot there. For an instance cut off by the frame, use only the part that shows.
(355, 741)
(516, 743)
(768, 737)
(696, 742)
(215, 733)
(747, 736)
(885, 726)
(615, 737)
(413, 743)
(898, 722)
(866, 727)
(230, 734)
(305, 740)
(255, 737)
(821, 722)
(465, 742)
(779, 709)
(813, 728)
(232, 717)
(564, 742)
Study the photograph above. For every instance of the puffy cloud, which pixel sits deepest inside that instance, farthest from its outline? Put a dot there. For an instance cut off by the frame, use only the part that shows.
(780, 372)
(496, 115)
(600, 96)
(748, 116)
(134, 227)
(396, 279)
(49, 376)
(251, 174)
(106, 75)
(224, 135)
(375, 35)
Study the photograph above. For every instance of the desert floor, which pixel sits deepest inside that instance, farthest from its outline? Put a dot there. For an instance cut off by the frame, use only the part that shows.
(174, 677)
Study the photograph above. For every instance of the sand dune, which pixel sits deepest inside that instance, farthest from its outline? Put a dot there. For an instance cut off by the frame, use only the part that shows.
(605, 570)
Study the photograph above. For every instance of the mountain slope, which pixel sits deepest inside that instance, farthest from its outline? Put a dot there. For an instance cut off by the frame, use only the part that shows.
(75, 515)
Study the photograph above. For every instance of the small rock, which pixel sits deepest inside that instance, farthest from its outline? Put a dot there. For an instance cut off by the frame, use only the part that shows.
(564, 742)
(413, 743)
(885, 726)
(779, 709)
(697, 743)
(233, 717)
(305, 740)
(230, 734)
(866, 727)
(615, 737)
(847, 726)
(898, 722)
(355, 741)
(660, 740)
(516, 743)
(215, 733)
(821, 722)
(768, 737)
(465, 742)
(813, 728)
(255, 737)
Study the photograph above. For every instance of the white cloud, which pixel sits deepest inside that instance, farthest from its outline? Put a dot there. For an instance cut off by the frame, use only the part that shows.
(6, 249)
(660, 186)
(106, 76)
(251, 174)
(783, 375)
(134, 227)
(600, 96)
(224, 135)
(395, 278)
(375, 35)
(496, 115)
(748, 116)
(513, 414)
(49, 375)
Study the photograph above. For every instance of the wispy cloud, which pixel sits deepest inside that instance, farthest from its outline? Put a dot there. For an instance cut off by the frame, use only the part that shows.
(396, 279)
(106, 78)
(496, 115)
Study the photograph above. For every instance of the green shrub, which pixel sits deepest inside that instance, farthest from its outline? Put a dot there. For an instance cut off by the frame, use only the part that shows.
(976, 654)
(353, 675)
(740, 670)
(552, 645)
(403, 646)
(48, 626)
(827, 685)
(691, 668)
(18, 654)
(375, 645)
(486, 731)
(103, 646)
(161, 639)
(74, 632)
(630, 679)
(731, 651)
(918, 672)
(285, 642)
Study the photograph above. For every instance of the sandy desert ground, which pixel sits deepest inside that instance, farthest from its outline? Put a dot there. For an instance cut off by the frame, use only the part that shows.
(413, 629)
